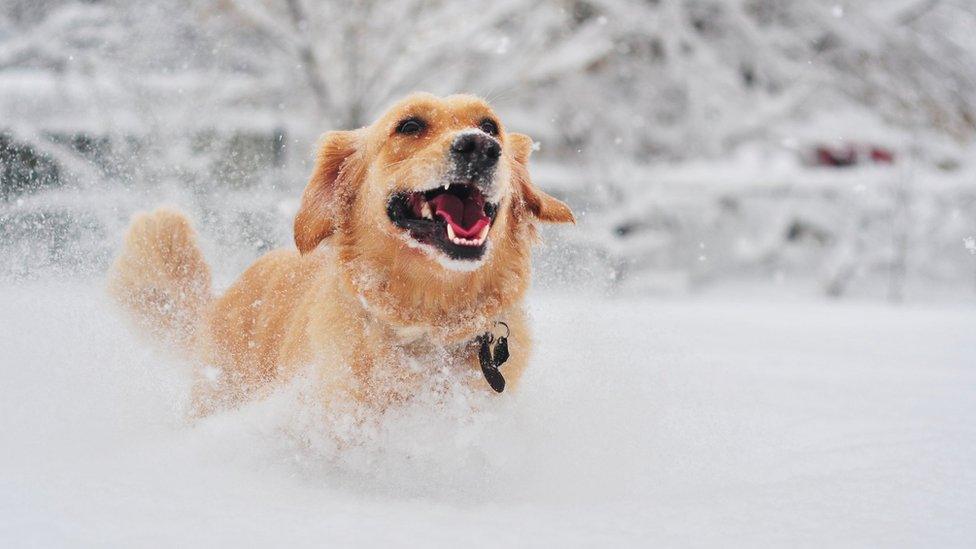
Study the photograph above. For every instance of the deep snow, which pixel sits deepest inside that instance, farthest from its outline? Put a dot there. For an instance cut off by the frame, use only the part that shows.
(641, 421)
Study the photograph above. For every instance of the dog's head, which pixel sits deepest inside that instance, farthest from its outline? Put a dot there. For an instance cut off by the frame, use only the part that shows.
(435, 188)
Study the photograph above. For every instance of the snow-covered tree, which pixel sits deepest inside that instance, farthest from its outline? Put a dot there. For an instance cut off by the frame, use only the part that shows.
(233, 93)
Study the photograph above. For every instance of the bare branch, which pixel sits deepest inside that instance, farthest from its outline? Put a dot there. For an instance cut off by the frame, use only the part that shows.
(911, 14)
(310, 64)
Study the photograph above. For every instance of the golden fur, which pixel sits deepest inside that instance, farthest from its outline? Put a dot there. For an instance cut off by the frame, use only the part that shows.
(362, 304)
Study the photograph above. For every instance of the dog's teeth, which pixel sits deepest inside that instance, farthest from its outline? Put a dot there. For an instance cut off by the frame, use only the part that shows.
(425, 211)
(453, 237)
(484, 233)
(446, 185)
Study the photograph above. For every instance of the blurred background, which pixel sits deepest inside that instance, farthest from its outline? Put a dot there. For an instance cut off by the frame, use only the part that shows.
(815, 148)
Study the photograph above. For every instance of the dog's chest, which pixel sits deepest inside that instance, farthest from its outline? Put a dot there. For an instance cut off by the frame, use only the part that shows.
(407, 335)
(429, 364)
(424, 354)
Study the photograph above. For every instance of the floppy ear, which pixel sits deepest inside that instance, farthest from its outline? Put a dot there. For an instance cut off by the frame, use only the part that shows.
(541, 205)
(328, 190)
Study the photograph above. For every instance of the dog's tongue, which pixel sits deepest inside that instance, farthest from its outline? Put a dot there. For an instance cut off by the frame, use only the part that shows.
(467, 217)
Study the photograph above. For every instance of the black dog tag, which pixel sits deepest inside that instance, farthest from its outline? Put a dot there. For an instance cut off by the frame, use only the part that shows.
(489, 365)
(501, 351)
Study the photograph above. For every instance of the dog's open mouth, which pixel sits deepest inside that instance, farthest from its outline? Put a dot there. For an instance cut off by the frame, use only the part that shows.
(455, 219)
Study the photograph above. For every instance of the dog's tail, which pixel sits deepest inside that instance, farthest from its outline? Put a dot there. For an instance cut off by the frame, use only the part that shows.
(161, 277)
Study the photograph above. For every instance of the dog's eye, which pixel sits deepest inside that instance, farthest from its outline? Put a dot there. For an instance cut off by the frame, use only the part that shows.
(411, 126)
(489, 126)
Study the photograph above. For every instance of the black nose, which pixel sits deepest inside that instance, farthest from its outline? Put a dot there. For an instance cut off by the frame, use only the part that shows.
(476, 152)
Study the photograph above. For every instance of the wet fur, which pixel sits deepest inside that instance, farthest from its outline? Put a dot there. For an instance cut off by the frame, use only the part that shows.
(355, 300)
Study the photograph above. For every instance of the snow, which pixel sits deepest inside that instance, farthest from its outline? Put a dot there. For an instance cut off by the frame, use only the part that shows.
(701, 421)
(707, 399)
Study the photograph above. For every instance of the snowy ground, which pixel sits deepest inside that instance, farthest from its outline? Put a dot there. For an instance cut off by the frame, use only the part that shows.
(683, 423)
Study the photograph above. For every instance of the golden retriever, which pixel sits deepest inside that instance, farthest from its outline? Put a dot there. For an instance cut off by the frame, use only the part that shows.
(414, 237)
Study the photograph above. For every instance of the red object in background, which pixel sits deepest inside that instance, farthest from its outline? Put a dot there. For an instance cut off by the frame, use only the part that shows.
(849, 155)
(836, 157)
(882, 155)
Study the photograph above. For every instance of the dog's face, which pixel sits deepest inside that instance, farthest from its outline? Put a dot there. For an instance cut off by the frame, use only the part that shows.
(447, 177)
(432, 173)
(436, 186)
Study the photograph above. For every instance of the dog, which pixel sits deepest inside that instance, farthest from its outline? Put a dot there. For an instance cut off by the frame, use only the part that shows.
(413, 238)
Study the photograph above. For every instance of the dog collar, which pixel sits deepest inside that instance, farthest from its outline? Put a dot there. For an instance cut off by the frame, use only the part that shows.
(491, 359)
